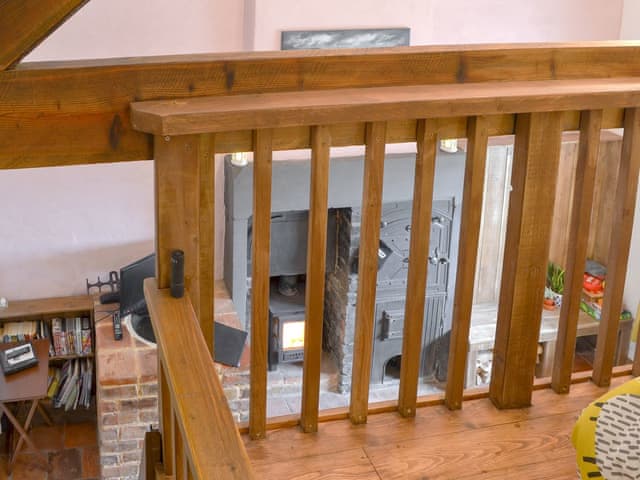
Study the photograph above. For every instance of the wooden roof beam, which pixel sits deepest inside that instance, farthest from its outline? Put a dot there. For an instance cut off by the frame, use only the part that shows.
(26, 23)
(77, 112)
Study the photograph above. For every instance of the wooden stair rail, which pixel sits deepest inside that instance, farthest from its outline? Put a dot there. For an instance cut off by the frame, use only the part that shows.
(427, 143)
(537, 111)
(533, 179)
(269, 110)
(626, 189)
(190, 392)
(316, 267)
(578, 236)
(367, 269)
(260, 249)
(472, 194)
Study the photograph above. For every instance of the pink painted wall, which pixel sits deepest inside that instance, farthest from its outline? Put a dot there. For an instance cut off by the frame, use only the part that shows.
(444, 22)
(54, 232)
(59, 226)
(126, 28)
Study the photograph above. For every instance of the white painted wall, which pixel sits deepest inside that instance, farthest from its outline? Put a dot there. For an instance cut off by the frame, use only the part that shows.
(54, 233)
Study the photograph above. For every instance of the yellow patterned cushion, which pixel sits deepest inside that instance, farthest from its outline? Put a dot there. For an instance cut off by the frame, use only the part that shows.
(607, 435)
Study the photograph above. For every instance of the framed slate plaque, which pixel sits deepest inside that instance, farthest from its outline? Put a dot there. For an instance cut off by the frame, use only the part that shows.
(354, 38)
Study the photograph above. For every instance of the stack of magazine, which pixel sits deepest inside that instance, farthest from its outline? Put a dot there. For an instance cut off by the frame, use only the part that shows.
(70, 385)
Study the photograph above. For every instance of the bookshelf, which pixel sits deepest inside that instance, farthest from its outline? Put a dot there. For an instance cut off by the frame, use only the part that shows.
(69, 324)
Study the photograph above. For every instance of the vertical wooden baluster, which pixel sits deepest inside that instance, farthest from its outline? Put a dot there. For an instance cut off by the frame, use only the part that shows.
(261, 236)
(375, 138)
(533, 180)
(206, 236)
(578, 238)
(166, 418)
(316, 259)
(181, 454)
(184, 218)
(471, 214)
(626, 190)
(427, 143)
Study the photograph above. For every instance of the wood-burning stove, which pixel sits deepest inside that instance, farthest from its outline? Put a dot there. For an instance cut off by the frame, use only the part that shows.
(289, 224)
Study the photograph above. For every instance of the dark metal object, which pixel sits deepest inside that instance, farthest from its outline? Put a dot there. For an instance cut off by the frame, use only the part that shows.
(288, 285)
(288, 252)
(113, 283)
(392, 283)
(117, 326)
(177, 274)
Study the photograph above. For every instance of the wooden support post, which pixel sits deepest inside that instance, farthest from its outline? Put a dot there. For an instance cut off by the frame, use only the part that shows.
(626, 189)
(533, 180)
(316, 260)
(166, 419)
(261, 240)
(180, 451)
(583, 190)
(206, 232)
(427, 143)
(478, 135)
(184, 218)
(375, 138)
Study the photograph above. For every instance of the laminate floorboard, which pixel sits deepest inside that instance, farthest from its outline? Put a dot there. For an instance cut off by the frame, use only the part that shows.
(478, 442)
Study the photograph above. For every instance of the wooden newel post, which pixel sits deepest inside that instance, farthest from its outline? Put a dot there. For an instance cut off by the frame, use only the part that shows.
(184, 193)
(533, 181)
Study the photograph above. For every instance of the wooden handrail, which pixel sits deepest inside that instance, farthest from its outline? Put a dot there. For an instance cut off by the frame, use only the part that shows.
(211, 445)
(239, 112)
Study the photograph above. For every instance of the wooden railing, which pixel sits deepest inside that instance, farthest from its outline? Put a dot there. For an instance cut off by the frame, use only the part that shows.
(199, 436)
(534, 93)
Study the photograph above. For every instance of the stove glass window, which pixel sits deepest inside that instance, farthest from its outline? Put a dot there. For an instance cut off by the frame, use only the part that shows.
(293, 335)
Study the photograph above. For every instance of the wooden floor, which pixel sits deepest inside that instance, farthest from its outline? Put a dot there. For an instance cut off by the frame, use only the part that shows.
(477, 442)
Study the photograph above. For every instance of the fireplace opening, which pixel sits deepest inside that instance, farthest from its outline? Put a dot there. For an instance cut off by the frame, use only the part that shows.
(288, 262)
(392, 369)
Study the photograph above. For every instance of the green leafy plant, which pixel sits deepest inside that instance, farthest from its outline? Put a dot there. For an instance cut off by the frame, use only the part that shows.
(555, 278)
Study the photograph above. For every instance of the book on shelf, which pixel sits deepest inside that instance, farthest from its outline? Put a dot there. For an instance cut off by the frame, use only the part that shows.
(67, 336)
(85, 334)
(18, 331)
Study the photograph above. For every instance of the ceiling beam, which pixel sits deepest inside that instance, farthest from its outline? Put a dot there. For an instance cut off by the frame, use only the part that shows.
(79, 112)
(26, 23)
